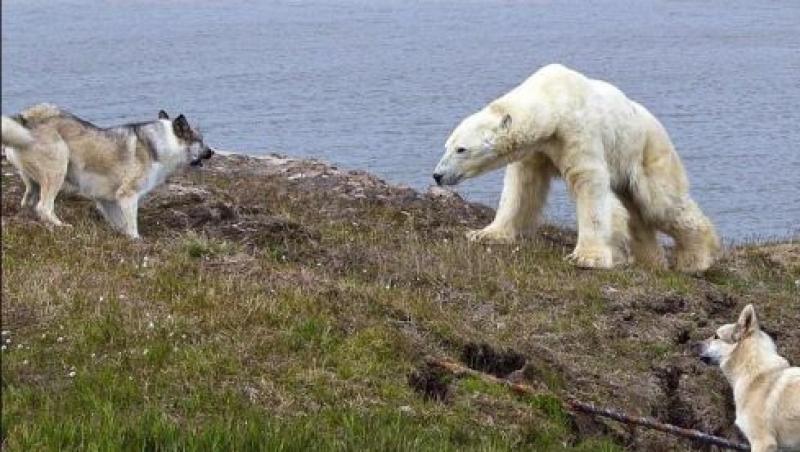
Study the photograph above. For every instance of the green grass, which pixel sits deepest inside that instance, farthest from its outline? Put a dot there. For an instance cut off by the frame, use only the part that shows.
(296, 325)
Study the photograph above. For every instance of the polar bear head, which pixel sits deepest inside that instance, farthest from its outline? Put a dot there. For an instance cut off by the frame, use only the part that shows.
(481, 143)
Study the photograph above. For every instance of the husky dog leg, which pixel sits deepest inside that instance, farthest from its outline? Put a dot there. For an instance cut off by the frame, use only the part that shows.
(51, 173)
(128, 204)
(31, 195)
(49, 188)
(112, 214)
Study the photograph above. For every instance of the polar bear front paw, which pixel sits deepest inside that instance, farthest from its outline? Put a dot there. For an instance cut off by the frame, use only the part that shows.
(594, 257)
(490, 234)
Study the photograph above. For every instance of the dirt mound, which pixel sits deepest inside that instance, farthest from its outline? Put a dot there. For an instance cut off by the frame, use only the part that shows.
(217, 214)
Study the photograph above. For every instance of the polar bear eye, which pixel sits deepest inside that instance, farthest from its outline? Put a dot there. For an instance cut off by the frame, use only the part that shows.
(461, 150)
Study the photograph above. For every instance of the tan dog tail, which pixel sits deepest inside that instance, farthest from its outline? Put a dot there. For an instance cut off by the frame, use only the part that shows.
(15, 134)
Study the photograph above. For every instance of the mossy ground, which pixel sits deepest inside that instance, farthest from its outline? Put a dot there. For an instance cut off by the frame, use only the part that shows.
(287, 306)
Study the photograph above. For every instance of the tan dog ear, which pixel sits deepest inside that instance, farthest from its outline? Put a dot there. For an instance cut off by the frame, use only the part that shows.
(747, 323)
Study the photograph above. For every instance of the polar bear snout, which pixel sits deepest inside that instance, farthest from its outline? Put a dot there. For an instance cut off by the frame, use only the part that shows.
(445, 174)
(446, 177)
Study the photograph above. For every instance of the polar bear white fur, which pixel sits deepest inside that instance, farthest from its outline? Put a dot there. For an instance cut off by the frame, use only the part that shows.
(615, 156)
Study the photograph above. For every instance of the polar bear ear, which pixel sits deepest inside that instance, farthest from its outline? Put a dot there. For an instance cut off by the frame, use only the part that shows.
(505, 123)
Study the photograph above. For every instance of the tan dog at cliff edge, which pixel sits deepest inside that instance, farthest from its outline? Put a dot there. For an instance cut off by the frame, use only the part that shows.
(116, 166)
(766, 389)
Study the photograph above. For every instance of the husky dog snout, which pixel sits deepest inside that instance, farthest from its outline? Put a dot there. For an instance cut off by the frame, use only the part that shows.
(206, 154)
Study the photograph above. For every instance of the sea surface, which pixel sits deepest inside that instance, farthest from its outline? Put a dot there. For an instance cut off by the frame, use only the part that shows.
(378, 85)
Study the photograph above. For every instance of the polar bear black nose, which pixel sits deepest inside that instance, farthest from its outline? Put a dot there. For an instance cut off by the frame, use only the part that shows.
(438, 178)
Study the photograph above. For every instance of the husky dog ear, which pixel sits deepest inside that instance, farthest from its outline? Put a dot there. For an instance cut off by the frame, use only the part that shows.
(182, 128)
(747, 323)
(162, 114)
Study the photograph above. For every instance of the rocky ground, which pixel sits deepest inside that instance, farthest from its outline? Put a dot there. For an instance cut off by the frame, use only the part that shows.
(288, 303)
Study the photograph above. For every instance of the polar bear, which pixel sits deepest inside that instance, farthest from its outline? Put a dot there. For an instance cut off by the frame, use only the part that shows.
(615, 156)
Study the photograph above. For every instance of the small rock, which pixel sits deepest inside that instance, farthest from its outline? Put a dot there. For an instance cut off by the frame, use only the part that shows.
(439, 192)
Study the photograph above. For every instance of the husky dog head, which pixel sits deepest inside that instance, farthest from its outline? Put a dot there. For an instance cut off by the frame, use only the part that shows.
(736, 341)
(189, 138)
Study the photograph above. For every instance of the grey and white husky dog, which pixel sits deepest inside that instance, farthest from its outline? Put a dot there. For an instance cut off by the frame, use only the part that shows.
(54, 150)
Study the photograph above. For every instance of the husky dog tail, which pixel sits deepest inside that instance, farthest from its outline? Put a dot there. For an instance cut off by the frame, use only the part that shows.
(15, 134)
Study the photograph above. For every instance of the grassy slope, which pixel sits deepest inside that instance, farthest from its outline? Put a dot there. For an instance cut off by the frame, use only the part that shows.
(268, 310)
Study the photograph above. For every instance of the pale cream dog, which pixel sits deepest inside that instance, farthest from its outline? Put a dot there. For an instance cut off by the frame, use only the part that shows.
(617, 159)
(766, 389)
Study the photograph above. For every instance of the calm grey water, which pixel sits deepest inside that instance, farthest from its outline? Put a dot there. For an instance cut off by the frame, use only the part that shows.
(378, 85)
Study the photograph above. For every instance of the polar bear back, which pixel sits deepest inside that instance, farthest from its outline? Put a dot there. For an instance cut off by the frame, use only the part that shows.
(591, 114)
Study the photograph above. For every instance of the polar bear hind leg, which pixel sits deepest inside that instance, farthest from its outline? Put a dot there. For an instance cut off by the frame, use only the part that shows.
(662, 197)
(645, 248)
(696, 242)
(621, 232)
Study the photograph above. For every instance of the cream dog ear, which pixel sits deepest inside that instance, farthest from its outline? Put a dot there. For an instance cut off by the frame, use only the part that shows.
(747, 323)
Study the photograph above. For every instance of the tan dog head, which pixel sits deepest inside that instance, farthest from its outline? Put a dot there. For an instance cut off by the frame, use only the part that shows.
(736, 342)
